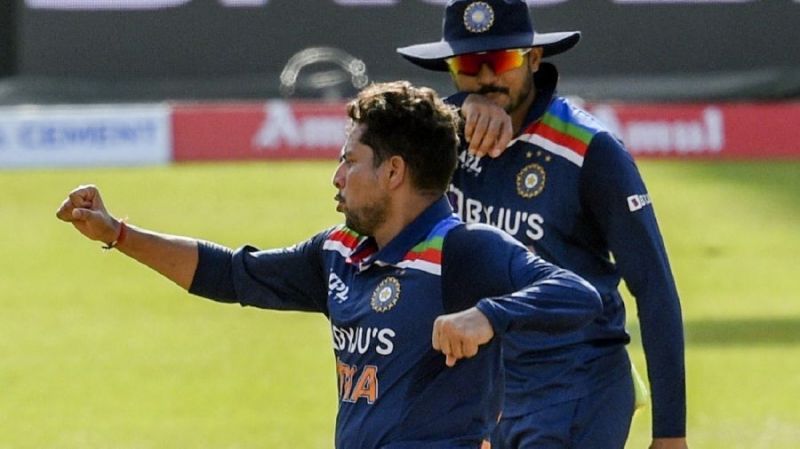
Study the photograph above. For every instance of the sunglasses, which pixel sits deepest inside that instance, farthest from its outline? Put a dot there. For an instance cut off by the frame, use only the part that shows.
(500, 61)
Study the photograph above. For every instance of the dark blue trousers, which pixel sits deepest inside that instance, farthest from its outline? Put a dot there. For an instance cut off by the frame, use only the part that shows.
(600, 420)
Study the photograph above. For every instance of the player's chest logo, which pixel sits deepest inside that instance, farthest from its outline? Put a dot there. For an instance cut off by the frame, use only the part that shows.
(386, 295)
(531, 180)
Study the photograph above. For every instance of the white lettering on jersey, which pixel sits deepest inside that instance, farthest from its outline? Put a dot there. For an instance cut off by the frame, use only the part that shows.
(337, 288)
(512, 221)
(470, 162)
(362, 339)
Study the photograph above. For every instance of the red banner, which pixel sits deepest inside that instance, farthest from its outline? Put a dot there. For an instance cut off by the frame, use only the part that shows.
(728, 130)
(273, 130)
(307, 130)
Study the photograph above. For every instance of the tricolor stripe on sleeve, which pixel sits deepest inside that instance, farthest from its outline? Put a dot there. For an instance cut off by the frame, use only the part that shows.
(343, 240)
(427, 255)
(563, 130)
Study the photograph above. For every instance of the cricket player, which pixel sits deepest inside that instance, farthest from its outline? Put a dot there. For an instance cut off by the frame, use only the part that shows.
(567, 188)
(418, 301)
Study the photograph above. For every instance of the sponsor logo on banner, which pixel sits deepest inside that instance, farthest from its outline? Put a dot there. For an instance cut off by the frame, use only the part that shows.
(702, 131)
(729, 130)
(275, 130)
(84, 136)
(308, 130)
(282, 128)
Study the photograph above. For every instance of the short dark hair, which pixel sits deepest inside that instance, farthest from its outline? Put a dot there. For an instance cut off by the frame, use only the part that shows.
(413, 123)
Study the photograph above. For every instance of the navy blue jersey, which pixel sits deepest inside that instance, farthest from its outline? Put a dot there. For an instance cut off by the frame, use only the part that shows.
(567, 189)
(395, 391)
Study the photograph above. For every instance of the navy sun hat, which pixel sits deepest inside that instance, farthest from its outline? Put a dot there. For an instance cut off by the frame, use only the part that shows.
(472, 26)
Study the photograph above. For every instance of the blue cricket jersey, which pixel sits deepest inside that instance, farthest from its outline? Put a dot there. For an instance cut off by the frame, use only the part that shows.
(395, 391)
(568, 189)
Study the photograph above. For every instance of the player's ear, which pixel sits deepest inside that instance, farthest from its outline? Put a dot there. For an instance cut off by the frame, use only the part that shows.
(535, 58)
(396, 171)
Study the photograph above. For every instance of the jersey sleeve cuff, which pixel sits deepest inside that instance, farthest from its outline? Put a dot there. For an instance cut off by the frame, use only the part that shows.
(495, 314)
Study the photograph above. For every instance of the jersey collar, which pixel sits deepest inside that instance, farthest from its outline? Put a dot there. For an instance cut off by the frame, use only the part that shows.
(365, 254)
(545, 79)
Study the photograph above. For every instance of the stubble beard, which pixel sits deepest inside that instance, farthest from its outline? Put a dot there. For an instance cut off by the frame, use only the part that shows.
(522, 99)
(368, 218)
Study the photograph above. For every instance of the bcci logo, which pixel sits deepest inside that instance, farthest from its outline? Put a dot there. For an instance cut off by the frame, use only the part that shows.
(530, 180)
(385, 295)
(478, 17)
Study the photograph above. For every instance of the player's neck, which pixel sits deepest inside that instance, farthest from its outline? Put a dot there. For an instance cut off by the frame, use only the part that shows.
(403, 210)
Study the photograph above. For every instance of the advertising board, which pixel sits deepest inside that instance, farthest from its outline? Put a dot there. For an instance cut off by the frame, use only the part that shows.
(84, 136)
(300, 130)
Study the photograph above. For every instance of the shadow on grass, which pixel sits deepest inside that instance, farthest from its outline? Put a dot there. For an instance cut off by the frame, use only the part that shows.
(755, 331)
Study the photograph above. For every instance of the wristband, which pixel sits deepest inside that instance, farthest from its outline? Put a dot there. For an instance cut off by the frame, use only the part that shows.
(123, 232)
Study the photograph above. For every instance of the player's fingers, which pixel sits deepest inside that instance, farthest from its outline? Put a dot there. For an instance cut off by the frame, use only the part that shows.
(469, 349)
(83, 196)
(80, 214)
(470, 119)
(445, 345)
(450, 361)
(88, 215)
(478, 134)
(64, 212)
(441, 338)
(504, 138)
(457, 347)
(488, 143)
(435, 337)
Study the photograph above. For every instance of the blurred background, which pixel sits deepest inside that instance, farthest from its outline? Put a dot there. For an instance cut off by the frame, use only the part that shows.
(223, 119)
(153, 50)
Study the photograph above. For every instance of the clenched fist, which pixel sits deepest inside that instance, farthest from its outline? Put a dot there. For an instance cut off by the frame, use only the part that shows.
(84, 208)
(458, 335)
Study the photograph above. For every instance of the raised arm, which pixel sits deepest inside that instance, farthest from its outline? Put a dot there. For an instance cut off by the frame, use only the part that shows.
(173, 256)
(494, 285)
(487, 127)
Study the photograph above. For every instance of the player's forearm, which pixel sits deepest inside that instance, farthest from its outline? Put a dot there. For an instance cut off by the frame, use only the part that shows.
(173, 256)
(663, 342)
(560, 303)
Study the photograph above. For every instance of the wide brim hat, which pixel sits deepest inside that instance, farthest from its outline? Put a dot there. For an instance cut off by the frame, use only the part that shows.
(471, 26)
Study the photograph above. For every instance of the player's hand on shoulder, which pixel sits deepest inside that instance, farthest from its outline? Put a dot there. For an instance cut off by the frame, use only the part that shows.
(669, 443)
(84, 208)
(458, 335)
(487, 127)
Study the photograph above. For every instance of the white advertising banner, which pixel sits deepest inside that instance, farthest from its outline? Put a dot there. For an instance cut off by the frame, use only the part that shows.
(85, 135)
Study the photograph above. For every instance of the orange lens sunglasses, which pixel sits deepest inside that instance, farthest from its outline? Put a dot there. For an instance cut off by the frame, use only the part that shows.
(500, 61)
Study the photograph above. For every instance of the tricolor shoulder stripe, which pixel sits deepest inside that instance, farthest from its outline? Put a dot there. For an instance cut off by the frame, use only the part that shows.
(427, 255)
(343, 240)
(562, 132)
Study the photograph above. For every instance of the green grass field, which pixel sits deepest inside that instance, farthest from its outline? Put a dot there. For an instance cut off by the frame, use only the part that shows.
(99, 352)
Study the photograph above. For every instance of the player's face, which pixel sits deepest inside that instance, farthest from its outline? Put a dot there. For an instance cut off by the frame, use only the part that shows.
(508, 83)
(360, 196)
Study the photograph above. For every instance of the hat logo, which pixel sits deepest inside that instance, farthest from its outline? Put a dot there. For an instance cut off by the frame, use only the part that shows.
(478, 17)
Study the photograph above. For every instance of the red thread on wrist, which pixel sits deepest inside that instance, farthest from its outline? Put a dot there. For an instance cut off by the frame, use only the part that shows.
(123, 232)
